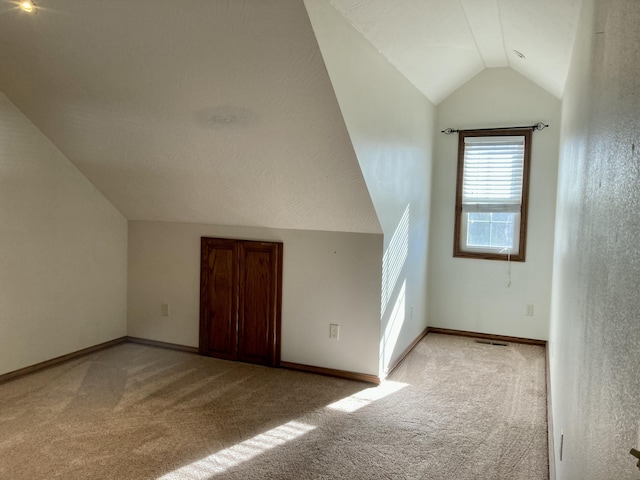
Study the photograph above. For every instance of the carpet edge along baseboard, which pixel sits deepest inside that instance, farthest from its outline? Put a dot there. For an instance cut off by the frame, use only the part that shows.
(362, 377)
(331, 372)
(57, 360)
(406, 352)
(157, 343)
(487, 336)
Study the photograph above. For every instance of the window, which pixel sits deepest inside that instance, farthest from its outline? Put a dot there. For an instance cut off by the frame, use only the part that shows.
(491, 194)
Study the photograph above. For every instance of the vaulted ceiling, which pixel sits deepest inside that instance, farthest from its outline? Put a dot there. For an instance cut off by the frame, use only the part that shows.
(201, 111)
(222, 111)
(441, 44)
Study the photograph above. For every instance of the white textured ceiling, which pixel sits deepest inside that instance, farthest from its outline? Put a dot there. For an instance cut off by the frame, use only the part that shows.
(222, 112)
(441, 44)
(204, 111)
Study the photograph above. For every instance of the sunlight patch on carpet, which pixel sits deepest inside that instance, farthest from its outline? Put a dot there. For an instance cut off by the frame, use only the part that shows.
(230, 457)
(365, 397)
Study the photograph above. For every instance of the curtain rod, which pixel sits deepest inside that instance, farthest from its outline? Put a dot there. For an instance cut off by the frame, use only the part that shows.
(534, 127)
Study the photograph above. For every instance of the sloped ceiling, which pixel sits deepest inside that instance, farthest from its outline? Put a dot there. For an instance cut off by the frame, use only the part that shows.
(222, 112)
(217, 112)
(441, 44)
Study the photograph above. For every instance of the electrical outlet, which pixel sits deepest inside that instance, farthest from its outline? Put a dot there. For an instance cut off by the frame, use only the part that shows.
(529, 311)
(334, 331)
(165, 309)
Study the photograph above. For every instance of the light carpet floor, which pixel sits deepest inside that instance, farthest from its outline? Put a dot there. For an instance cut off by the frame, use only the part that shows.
(454, 409)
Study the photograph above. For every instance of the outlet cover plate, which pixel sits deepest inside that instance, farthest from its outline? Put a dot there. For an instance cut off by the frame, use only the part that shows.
(334, 331)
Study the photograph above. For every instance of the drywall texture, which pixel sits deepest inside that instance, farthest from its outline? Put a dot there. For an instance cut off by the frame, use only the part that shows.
(327, 278)
(595, 329)
(391, 127)
(219, 113)
(439, 45)
(471, 294)
(63, 251)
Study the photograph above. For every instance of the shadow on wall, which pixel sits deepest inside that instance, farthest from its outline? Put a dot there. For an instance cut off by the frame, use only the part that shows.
(394, 284)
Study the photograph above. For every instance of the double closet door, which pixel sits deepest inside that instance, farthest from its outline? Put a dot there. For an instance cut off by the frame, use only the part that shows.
(240, 300)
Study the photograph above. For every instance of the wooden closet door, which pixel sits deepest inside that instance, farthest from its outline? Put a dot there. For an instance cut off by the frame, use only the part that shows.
(219, 298)
(259, 302)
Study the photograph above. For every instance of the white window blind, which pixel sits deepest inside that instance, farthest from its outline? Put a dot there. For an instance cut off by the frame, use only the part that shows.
(493, 171)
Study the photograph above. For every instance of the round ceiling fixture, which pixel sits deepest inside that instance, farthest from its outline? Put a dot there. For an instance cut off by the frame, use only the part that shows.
(28, 6)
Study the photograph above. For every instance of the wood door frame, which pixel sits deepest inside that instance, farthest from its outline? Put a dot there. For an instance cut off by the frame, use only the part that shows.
(278, 320)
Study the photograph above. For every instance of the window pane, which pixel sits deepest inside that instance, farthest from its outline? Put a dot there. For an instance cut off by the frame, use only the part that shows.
(478, 234)
(502, 234)
(502, 217)
(479, 217)
(488, 229)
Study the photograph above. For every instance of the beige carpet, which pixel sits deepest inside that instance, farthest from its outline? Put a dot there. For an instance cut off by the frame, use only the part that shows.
(455, 409)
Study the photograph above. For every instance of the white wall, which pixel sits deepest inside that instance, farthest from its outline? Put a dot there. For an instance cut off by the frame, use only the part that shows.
(470, 294)
(63, 251)
(391, 127)
(328, 277)
(595, 328)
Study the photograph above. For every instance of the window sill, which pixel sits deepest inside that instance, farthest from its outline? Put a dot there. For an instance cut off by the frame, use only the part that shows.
(518, 257)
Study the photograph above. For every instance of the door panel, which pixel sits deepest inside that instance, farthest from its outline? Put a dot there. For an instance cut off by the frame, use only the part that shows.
(219, 298)
(257, 296)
